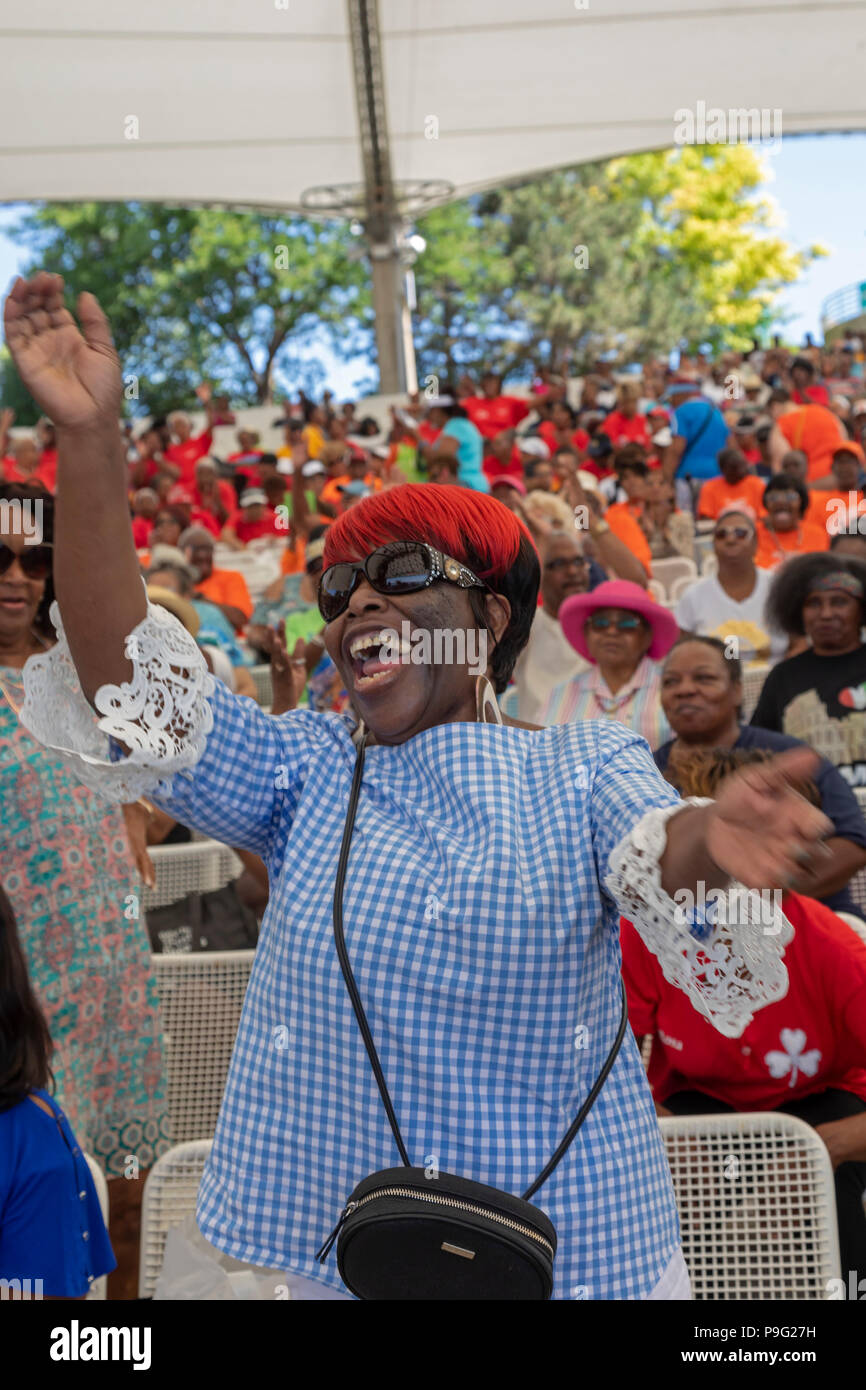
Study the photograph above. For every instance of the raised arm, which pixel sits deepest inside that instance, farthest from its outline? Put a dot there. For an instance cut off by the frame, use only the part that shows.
(74, 376)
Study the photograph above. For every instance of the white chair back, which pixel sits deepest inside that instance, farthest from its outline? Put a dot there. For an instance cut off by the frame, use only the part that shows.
(201, 995)
(681, 586)
(753, 684)
(757, 1205)
(855, 923)
(666, 572)
(170, 1193)
(264, 684)
(198, 867)
(99, 1288)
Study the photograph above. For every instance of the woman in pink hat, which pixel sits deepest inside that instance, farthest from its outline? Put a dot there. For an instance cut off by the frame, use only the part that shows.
(625, 634)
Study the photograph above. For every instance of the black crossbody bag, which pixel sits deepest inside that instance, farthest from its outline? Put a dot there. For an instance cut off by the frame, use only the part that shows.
(404, 1236)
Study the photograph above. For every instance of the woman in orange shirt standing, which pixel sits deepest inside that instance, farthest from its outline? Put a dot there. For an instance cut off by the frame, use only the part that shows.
(783, 531)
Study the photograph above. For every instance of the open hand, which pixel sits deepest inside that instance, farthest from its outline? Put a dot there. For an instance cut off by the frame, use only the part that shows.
(761, 831)
(73, 374)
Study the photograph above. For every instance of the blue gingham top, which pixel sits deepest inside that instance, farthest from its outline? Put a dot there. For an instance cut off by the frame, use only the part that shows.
(487, 956)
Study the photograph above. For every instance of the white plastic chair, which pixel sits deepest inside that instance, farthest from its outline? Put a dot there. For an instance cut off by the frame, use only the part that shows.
(263, 681)
(659, 592)
(855, 923)
(753, 684)
(757, 1205)
(673, 568)
(681, 586)
(857, 886)
(709, 564)
(201, 995)
(99, 1288)
(198, 867)
(170, 1192)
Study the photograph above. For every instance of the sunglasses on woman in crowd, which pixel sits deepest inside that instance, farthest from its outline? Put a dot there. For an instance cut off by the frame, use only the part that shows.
(739, 533)
(600, 622)
(35, 560)
(403, 567)
(567, 562)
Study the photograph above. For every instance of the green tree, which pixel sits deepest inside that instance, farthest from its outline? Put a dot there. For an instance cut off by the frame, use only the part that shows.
(198, 293)
(635, 255)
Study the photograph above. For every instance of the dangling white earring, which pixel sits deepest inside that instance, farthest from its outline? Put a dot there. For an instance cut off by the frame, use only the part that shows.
(486, 706)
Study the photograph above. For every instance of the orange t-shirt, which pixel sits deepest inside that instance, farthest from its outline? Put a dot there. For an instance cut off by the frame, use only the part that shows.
(821, 512)
(227, 586)
(624, 526)
(716, 494)
(775, 546)
(816, 431)
(293, 558)
(331, 491)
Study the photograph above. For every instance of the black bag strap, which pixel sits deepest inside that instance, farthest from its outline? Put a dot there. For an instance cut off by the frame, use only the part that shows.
(361, 1017)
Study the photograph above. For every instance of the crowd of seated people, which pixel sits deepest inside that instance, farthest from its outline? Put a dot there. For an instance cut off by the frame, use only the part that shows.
(746, 472)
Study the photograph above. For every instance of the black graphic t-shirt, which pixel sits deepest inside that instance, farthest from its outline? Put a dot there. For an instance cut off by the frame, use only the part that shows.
(822, 701)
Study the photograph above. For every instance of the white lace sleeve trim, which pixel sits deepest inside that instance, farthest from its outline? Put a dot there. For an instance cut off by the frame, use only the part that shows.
(736, 968)
(162, 715)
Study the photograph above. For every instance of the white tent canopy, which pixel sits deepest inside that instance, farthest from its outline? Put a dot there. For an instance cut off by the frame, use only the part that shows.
(246, 102)
(255, 102)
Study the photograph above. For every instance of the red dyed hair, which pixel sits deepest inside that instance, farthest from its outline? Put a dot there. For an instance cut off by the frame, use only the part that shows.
(470, 526)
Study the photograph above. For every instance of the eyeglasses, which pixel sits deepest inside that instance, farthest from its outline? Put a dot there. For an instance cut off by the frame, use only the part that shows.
(739, 533)
(403, 567)
(35, 560)
(627, 623)
(567, 562)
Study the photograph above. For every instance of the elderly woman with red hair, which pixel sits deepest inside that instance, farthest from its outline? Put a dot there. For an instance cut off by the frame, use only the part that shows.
(474, 908)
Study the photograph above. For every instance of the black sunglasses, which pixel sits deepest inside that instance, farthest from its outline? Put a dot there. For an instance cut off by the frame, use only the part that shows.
(600, 622)
(35, 560)
(403, 567)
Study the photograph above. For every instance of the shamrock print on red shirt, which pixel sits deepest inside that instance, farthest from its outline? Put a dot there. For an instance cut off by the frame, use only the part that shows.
(793, 1059)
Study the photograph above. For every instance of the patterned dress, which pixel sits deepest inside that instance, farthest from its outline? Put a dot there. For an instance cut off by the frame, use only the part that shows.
(66, 865)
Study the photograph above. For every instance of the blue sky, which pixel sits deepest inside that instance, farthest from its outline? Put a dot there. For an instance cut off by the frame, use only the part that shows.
(816, 184)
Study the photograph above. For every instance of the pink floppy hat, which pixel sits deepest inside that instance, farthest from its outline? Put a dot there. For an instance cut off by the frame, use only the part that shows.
(618, 593)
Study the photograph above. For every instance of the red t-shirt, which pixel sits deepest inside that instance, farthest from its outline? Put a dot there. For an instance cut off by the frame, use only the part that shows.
(812, 1039)
(227, 496)
(623, 429)
(141, 529)
(199, 517)
(490, 417)
(817, 395)
(47, 469)
(253, 530)
(186, 456)
(495, 468)
(579, 439)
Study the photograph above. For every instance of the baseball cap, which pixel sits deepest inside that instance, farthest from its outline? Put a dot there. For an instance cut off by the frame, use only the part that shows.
(533, 446)
(600, 447)
(354, 489)
(313, 469)
(253, 496)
